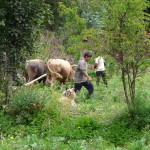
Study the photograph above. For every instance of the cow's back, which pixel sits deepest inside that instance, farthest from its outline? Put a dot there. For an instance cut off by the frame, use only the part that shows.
(61, 67)
(41, 68)
(35, 68)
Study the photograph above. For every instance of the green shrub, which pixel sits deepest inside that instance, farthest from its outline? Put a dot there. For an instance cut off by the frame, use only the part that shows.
(26, 102)
(119, 133)
(6, 122)
(142, 109)
(143, 143)
(83, 127)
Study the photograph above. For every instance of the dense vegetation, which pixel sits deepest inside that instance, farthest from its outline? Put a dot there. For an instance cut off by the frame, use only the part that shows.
(36, 120)
(117, 117)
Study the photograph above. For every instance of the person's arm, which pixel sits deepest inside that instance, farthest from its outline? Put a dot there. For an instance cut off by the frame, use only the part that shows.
(88, 77)
(95, 66)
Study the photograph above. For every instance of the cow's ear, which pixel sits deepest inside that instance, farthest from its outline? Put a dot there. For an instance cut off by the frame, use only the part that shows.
(67, 88)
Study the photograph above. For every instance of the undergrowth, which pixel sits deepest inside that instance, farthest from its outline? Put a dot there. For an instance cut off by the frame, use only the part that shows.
(37, 120)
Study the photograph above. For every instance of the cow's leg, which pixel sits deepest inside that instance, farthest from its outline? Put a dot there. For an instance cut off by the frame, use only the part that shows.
(52, 83)
(44, 80)
(25, 76)
(31, 77)
(32, 73)
(50, 80)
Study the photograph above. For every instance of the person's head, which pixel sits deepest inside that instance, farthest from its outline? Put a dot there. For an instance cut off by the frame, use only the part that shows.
(87, 56)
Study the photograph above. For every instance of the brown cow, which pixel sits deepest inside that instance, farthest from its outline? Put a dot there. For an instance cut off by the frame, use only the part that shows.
(34, 69)
(60, 70)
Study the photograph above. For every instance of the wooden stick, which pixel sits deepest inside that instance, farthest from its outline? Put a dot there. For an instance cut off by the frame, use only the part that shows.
(29, 83)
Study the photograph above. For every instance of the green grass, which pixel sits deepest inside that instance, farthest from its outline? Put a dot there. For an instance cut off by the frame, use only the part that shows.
(99, 123)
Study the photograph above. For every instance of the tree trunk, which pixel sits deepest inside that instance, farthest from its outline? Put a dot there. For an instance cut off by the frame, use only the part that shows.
(8, 87)
(129, 104)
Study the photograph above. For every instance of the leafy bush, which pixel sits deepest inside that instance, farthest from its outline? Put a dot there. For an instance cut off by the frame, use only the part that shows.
(83, 127)
(5, 123)
(26, 102)
(142, 109)
(143, 143)
(119, 133)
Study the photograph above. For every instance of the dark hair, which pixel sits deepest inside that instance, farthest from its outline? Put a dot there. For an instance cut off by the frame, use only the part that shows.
(88, 54)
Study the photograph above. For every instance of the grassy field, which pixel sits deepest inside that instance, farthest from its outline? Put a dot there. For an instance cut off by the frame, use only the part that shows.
(37, 121)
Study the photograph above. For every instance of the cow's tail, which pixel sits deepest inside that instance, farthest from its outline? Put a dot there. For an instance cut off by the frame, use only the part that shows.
(57, 75)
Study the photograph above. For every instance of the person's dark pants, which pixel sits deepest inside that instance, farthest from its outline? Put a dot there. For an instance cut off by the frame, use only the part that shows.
(101, 74)
(88, 85)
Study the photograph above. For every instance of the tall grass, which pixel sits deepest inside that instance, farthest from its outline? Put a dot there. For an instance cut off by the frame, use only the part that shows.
(99, 123)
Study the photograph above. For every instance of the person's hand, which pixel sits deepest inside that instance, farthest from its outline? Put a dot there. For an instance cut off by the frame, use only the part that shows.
(95, 66)
(89, 78)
